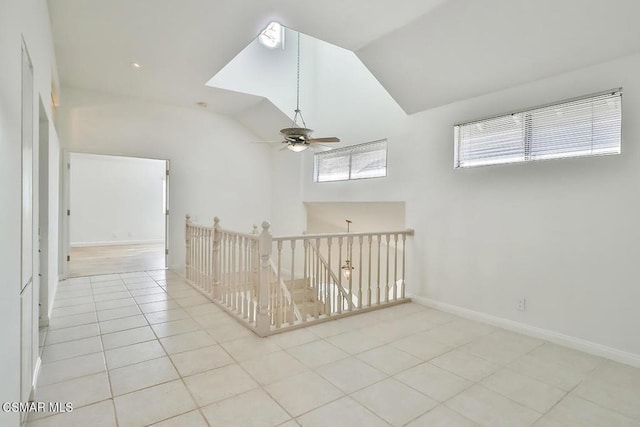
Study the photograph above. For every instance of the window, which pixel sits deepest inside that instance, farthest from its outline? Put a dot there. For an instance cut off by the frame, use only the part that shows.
(354, 162)
(586, 126)
(272, 35)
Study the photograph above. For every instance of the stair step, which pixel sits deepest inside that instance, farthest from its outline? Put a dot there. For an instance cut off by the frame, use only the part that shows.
(297, 283)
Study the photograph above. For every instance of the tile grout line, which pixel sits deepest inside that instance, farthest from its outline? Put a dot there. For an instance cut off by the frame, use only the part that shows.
(192, 317)
(180, 377)
(104, 358)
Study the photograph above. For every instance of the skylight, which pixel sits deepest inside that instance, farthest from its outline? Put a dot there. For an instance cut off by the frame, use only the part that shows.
(272, 36)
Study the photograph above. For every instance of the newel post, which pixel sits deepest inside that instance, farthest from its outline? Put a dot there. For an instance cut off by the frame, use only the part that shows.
(216, 257)
(264, 278)
(187, 236)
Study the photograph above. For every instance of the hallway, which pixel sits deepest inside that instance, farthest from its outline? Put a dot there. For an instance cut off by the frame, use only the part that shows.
(136, 349)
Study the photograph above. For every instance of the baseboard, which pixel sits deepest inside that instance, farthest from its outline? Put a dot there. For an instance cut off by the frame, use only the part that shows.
(116, 243)
(533, 331)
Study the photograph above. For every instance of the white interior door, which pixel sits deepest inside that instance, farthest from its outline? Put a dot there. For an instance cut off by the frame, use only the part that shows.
(166, 216)
(28, 295)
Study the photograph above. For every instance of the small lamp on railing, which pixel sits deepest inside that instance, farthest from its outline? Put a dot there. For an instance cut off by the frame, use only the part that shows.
(347, 268)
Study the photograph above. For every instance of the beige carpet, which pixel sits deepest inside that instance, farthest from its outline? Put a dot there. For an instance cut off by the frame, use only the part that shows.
(92, 260)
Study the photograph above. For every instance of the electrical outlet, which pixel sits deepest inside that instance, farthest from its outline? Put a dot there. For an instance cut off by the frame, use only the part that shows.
(522, 304)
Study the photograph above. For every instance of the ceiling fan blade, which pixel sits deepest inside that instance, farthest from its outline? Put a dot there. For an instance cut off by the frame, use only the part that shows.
(328, 139)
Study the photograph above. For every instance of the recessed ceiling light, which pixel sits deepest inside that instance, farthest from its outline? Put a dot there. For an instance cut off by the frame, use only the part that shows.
(272, 35)
(135, 65)
(202, 104)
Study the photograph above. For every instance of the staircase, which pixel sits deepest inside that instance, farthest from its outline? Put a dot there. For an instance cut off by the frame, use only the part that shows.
(305, 298)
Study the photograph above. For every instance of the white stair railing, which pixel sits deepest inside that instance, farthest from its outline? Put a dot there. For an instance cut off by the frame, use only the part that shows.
(278, 283)
(327, 282)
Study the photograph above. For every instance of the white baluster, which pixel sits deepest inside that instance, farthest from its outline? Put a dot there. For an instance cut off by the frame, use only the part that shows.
(225, 267)
(350, 257)
(194, 248)
(379, 239)
(327, 298)
(234, 275)
(187, 236)
(360, 272)
(369, 238)
(278, 308)
(292, 316)
(197, 255)
(386, 288)
(404, 261)
(340, 300)
(216, 258)
(230, 270)
(207, 260)
(243, 277)
(262, 321)
(307, 282)
(395, 266)
(200, 278)
(256, 280)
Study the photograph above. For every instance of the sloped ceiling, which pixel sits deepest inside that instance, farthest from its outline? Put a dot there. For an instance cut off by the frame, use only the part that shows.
(181, 44)
(466, 48)
(425, 52)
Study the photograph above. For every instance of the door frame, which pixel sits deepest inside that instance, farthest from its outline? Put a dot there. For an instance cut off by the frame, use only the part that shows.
(43, 214)
(65, 206)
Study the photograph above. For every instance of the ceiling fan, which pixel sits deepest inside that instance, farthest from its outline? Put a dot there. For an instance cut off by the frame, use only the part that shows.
(299, 138)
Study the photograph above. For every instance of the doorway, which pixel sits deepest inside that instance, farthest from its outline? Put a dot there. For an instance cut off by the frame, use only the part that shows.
(117, 214)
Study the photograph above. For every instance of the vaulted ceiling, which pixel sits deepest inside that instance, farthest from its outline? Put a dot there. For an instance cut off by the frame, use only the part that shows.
(426, 53)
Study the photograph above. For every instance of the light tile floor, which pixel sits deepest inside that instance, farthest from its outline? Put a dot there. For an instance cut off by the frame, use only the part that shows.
(142, 349)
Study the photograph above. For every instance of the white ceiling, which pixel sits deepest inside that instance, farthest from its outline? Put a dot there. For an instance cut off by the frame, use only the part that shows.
(425, 52)
(467, 48)
(182, 43)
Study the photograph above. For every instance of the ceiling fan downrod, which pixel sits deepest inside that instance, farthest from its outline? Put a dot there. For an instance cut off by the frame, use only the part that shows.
(298, 112)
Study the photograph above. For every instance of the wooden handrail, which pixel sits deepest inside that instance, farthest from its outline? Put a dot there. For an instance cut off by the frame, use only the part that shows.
(407, 232)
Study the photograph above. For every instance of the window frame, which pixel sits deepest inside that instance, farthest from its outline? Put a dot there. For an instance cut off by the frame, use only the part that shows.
(351, 150)
(527, 151)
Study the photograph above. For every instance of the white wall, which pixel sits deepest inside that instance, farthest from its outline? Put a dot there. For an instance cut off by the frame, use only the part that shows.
(26, 19)
(214, 168)
(329, 217)
(116, 200)
(563, 234)
(54, 213)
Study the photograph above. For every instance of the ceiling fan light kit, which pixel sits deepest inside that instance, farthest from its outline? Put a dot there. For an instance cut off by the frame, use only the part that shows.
(297, 147)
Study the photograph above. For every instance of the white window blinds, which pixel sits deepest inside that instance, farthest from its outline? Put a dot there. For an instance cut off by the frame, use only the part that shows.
(354, 162)
(582, 127)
